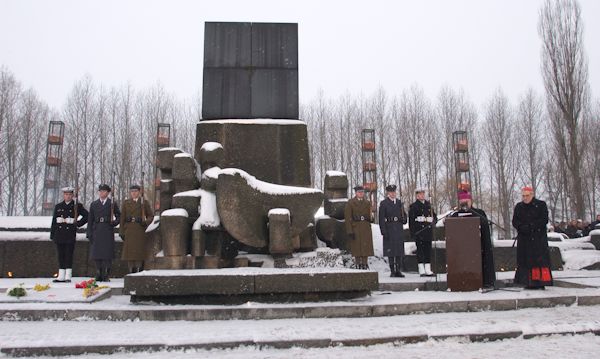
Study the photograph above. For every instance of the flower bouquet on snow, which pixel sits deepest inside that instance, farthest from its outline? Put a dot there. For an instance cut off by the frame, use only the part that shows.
(90, 287)
(17, 291)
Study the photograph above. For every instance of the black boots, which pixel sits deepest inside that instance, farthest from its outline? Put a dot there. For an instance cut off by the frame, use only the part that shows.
(102, 275)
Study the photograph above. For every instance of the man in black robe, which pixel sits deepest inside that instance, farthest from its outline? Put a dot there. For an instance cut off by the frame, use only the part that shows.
(465, 208)
(392, 218)
(530, 218)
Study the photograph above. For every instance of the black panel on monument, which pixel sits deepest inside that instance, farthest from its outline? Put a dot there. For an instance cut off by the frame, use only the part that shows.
(275, 93)
(226, 93)
(275, 45)
(250, 71)
(227, 44)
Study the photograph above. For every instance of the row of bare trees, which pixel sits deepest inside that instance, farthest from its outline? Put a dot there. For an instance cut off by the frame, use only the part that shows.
(547, 140)
(110, 137)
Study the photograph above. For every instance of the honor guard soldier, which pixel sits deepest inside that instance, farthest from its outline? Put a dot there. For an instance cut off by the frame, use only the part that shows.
(357, 216)
(421, 219)
(103, 217)
(136, 215)
(392, 218)
(63, 230)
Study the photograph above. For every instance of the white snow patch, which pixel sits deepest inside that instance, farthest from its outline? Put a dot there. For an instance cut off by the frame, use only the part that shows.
(578, 259)
(160, 254)
(595, 232)
(210, 146)
(279, 211)
(257, 121)
(267, 187)
(209, 216)
(167, 180)
(338, 200)
(335, 174)
(192, 193)
(170, 149)
(184, 154)
(155, 223)
(212, 172)
(10, 222)
(175, 212)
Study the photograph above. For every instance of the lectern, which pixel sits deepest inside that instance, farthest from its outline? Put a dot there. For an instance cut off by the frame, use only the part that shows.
(463, 253)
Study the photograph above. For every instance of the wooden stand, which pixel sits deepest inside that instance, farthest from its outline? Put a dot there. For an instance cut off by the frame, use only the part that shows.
(463, 254)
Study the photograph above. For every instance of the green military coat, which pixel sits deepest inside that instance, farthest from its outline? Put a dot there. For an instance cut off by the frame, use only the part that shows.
(357, 216)
(133, 229)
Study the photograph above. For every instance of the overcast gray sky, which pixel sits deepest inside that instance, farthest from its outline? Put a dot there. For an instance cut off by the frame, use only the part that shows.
(343, 45)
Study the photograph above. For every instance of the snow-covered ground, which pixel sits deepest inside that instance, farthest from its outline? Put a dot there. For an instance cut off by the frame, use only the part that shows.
(579, 346)
(458, 325)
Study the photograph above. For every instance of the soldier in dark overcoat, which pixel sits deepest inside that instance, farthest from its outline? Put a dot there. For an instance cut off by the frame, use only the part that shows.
(104, 215)
(65, 221)
(530, 218)
(136, 215)
(465, 204)
(421, 219)
(357, 217)
(392, 218)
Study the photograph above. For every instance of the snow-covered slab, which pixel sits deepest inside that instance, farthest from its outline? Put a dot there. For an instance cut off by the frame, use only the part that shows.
(176, 212)
(56, 295)
(257, 121)
(335, 174)
(266, 187)
(245, 271)
(25, 222)
(238, 285)
(38, 236)
(211, 146)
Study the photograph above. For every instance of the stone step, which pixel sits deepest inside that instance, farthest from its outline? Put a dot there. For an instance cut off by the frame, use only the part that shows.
(282, 344)
(382, 306)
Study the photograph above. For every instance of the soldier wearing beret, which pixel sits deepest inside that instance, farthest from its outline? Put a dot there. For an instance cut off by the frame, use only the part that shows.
(103, 217)
(421, 219)
(136, 215)
(358, 220)
(392, 218)
(63, 230)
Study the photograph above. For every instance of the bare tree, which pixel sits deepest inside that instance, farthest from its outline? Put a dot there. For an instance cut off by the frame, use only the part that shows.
(498, 128)
(565, 74)
(531, 137)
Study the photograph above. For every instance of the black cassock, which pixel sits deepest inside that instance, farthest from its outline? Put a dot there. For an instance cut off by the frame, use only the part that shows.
(487, 249)
(533, 256)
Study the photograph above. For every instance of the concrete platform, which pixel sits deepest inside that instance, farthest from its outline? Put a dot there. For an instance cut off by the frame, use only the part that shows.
(240, 285)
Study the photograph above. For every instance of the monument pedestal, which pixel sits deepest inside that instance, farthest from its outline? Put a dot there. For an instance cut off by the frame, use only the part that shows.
(240, 285)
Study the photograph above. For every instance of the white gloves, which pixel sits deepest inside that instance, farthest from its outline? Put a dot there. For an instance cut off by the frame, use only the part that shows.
(420, 219)
(67, 220)
(429, 219)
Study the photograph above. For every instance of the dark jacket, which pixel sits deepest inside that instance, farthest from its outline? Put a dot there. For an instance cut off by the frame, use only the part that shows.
(421, 209)
(65, 232)
(392, 217)
(487, 248)
(530, 221)
(100, 229)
